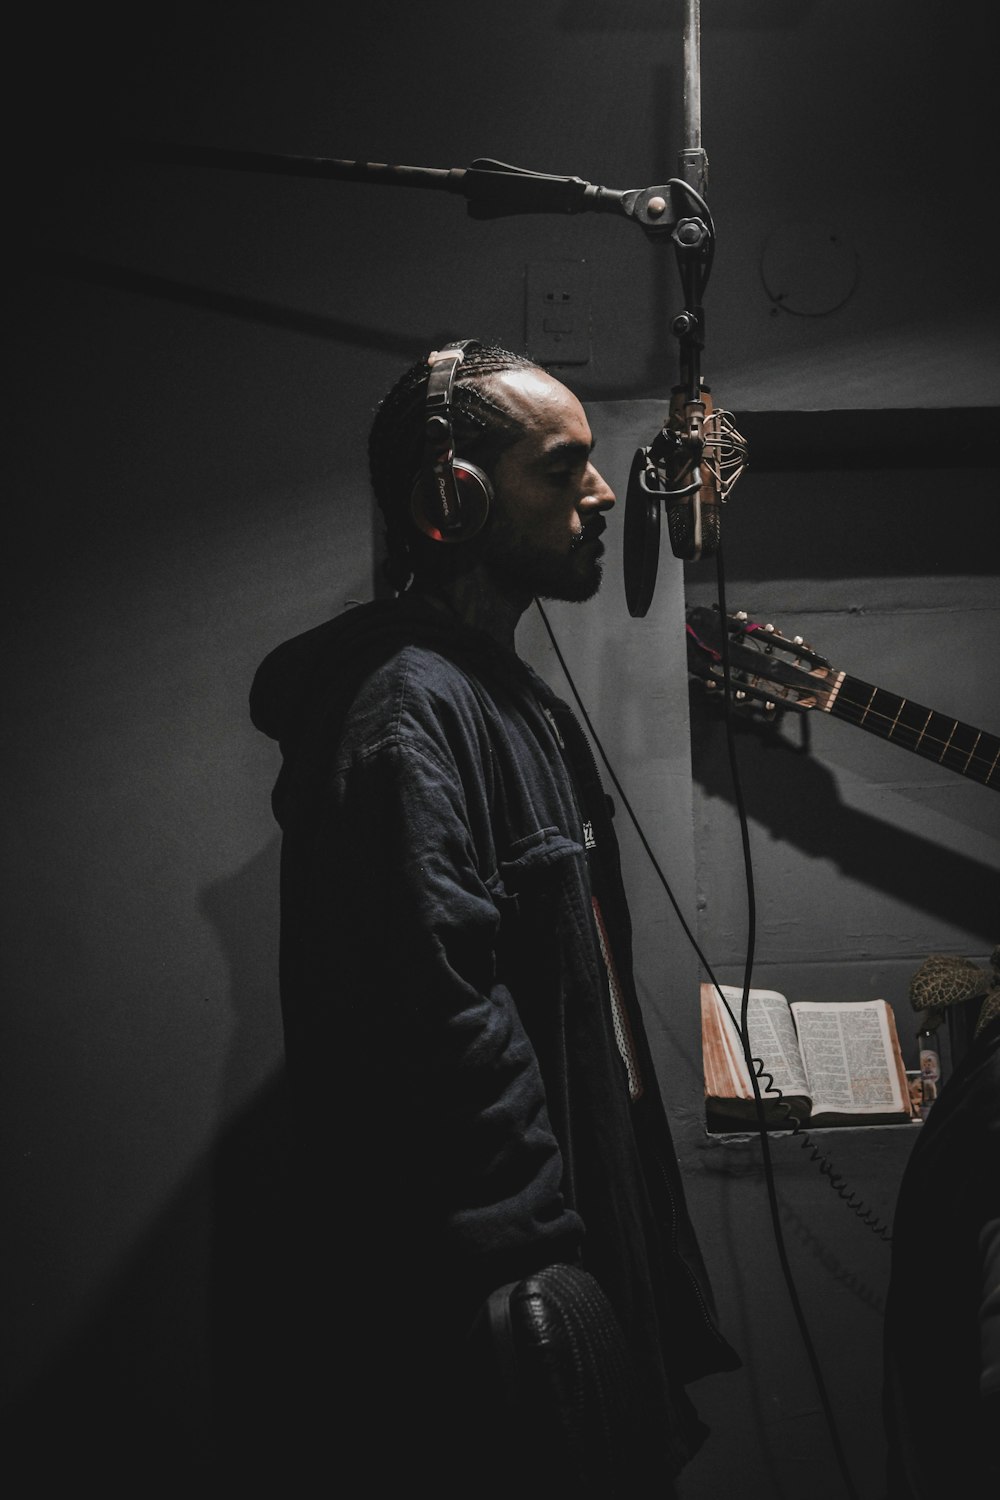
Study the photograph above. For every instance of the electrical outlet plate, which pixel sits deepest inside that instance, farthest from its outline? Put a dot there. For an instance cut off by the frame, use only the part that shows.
(557, 311)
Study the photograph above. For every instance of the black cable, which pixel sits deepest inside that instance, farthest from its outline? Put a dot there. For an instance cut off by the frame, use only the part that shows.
(765, 1144)
(755, 1065)
(620, 790)
(752, 1063)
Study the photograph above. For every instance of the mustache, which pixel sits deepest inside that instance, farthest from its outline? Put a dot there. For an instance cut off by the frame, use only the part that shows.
(591, 531)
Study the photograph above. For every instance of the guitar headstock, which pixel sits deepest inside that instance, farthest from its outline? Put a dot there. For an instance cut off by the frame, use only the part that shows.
(766, 669)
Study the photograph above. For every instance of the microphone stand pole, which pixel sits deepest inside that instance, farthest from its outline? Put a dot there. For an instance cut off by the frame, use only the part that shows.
(694, 245)
(692, 161)
(694, 460)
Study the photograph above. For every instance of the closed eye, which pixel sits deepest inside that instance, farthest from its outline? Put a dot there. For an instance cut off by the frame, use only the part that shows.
(567, 461)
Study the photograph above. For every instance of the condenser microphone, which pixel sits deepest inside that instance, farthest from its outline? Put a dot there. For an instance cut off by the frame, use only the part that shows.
(691, 467)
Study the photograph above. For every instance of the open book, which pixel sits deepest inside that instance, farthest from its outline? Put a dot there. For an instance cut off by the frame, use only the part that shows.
(835, 1063)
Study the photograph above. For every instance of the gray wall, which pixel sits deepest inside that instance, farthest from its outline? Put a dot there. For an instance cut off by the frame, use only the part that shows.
(195, 355)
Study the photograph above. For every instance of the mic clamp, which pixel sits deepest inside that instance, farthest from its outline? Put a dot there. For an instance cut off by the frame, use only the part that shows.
(691, 465)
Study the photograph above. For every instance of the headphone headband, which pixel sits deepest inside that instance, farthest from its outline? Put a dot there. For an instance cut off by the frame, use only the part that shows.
(444, 365)
(439, 442)
(439, 506)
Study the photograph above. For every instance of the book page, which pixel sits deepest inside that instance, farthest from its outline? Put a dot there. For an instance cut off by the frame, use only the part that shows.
(847, 1047)
(771, 1032)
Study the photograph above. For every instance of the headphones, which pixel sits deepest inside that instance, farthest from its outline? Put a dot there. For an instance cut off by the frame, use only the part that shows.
(451, 497)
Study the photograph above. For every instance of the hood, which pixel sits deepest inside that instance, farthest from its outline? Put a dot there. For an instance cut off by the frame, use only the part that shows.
(335, 657)
(291, 673)
(323, 664)
(303, 688)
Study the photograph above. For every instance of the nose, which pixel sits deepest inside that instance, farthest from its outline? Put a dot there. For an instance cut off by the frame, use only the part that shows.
(598, 494)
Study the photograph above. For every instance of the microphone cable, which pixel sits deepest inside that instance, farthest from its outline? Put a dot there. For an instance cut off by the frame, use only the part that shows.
(755, 1064)
(748, 967)
(762, 1134)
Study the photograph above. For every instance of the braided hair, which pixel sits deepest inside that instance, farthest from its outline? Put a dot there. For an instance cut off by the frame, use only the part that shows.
(482, 429)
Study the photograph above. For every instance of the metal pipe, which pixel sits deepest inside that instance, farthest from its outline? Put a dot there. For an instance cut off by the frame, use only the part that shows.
(693, 163)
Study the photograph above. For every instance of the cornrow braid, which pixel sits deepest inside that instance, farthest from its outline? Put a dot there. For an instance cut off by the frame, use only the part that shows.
(482, 430)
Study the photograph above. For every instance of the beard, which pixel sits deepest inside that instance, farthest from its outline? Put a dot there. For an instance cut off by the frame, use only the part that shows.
(520, 569)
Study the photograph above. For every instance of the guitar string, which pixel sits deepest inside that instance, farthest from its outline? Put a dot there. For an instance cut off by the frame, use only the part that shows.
(889, 728)
(877, 719)
(861, 713)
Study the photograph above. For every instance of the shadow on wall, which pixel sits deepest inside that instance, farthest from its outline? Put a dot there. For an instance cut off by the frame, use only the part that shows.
(180, 1375)
(179, 1381)
(91, 272)
(796, 799)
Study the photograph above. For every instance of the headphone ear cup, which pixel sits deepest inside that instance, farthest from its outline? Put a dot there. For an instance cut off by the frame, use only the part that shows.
(473, 495)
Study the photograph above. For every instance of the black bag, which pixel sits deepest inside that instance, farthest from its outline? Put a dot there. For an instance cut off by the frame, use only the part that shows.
(566, 1383)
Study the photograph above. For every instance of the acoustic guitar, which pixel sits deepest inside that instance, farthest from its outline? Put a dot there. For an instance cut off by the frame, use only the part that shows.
(768, 669)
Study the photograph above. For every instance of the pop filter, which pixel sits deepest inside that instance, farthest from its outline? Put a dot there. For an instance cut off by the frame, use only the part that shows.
(641, 539)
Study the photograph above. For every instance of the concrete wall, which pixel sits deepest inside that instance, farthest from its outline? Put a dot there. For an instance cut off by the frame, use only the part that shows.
(195, 356)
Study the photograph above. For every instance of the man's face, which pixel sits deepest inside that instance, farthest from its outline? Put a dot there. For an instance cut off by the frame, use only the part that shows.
(543, 537)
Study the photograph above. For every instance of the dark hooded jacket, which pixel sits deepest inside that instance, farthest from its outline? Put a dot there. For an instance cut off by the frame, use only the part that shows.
(470, 1105)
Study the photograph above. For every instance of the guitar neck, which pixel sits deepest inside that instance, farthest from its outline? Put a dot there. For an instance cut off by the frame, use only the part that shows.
(959, 747)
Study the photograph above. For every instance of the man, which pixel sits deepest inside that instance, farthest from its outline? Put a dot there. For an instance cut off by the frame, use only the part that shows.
(474, 1092)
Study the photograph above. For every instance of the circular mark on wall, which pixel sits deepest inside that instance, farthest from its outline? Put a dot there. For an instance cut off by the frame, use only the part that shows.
(809, 268)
